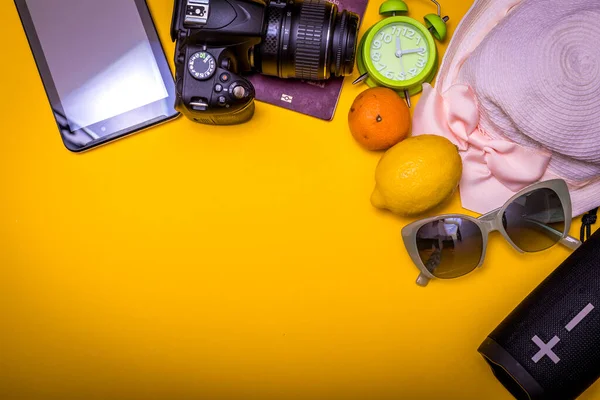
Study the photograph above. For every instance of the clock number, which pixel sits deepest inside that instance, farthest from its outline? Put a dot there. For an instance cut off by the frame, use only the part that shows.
(404, 31)
(386, 37)
(394, 30)
(421, 62)
(376, 57)
(389, 75)
(376, 44)
(423, 52)
(381, 67)
(412, 72)
(410, 34)
(418, 40)
(401, 76)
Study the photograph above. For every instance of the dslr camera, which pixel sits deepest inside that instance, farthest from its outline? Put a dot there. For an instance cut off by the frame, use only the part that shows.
(219, 40)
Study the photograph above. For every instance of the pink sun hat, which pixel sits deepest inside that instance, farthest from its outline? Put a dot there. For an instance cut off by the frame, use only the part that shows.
(519, 93)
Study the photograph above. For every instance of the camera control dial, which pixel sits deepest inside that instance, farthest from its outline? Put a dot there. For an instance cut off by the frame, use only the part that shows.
(202, 65)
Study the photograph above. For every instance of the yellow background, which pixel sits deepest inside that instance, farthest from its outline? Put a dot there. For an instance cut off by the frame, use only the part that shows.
(196, 262)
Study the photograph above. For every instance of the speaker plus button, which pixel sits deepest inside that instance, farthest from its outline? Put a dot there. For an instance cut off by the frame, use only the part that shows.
(546, 349)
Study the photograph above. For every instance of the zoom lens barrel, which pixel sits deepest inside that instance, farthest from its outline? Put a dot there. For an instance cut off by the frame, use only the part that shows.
(307, 39)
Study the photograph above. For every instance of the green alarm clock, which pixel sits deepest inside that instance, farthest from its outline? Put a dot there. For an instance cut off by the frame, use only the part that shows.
(399, 52)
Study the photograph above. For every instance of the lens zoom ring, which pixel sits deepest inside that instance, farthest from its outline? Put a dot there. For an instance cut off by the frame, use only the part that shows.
(311, 27)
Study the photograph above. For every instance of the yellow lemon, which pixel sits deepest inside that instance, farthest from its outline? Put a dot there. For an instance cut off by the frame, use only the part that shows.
(417, 175)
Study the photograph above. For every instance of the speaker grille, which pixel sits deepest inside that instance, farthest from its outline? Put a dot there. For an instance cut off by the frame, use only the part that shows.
(554, 334)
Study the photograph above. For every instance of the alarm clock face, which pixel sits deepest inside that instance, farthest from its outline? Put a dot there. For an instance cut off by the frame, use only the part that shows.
(400, 53)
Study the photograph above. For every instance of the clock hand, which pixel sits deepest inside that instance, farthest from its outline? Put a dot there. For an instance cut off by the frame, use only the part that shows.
(398, 47)
(413, 51)
(399, 53)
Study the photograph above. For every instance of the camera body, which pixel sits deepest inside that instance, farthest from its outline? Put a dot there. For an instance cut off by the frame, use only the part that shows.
(219, 40)
(213, 41)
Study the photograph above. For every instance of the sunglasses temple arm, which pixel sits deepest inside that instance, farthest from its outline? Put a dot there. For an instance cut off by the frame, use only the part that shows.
(423, 280)
(568, 241)
(571, 242)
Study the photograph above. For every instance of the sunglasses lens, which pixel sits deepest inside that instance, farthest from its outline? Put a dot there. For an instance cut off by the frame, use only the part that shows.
(450, 247)
(535, 221)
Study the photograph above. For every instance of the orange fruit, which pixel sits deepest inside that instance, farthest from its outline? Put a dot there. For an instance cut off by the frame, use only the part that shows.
(379, 118)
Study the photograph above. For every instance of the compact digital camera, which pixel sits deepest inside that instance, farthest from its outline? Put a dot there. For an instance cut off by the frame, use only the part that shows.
(219, 40)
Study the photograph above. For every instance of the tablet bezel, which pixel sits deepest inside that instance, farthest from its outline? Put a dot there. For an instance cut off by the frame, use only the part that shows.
(115, 127)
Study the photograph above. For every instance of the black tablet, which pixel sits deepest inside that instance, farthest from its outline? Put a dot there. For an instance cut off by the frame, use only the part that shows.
(102, 65)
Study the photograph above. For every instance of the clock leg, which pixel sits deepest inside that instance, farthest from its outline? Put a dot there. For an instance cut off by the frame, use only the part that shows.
(407, 95)
(361, 78)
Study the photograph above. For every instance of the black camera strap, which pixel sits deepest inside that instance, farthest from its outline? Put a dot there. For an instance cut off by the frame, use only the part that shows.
(587, 221)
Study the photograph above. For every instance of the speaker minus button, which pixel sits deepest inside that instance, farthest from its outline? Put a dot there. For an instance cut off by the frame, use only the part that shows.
(583, 314)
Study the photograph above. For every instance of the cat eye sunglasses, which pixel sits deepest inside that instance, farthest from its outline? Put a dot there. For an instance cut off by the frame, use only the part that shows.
(451, 246)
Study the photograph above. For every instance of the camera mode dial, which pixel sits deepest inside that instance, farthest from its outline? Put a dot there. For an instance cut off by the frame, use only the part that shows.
(202, 65)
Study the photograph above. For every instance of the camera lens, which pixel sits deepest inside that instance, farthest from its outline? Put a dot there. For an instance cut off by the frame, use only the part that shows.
(307, 39)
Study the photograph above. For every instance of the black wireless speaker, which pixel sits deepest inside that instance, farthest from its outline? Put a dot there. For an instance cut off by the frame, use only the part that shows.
(549, 346)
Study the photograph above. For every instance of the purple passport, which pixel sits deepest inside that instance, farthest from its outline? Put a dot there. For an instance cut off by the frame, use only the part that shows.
(318, 99)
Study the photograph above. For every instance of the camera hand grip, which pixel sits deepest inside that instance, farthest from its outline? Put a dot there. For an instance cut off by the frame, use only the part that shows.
(209, 91)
